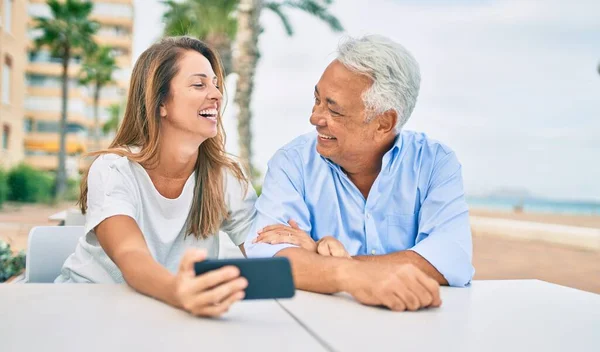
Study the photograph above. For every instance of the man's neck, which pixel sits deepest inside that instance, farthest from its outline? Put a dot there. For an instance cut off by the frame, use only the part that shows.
(363, 170)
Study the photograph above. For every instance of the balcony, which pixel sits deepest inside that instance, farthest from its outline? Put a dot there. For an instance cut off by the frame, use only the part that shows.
(51, 69)
(113, 21)
(124, 42)
(54, 116)
(48, 142)
(49, 162)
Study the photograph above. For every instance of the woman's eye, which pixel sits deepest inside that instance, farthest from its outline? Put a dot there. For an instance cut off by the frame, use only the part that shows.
(198, 85)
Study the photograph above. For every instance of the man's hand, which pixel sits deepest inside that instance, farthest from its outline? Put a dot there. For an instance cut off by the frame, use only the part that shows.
(276, 234)
(329, 246)
(397, 286)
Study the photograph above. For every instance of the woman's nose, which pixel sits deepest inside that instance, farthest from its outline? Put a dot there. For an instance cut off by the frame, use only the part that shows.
(215, 94)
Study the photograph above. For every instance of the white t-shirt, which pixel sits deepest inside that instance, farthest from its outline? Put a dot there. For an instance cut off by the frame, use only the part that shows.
(118, 186)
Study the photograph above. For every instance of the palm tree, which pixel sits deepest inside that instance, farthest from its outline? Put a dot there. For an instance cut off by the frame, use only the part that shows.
(210, 21)
(67, 32)
(97, 70)
(113, 122)
(219, 22)
(246, 57)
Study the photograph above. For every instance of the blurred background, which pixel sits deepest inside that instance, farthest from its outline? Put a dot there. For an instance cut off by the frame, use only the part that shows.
(513, 86)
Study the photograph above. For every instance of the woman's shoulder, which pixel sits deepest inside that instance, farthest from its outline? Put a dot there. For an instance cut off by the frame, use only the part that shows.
(105, 163)
(236, 185)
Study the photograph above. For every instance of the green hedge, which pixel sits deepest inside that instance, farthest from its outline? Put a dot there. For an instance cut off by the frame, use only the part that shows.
(3, 187)
(29, 185)
(10, 264)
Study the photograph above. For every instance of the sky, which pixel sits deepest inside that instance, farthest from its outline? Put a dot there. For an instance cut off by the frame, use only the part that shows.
(511, 86)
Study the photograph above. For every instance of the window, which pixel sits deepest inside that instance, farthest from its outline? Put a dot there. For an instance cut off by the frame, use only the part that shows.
(5, 136)
(113, 31)
(28, 125)
(113, 10)
(47, 126)
(8, 15)
(6, 75)
(35, 80)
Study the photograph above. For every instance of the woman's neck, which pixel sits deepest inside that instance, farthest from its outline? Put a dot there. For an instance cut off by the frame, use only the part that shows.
(177, 157)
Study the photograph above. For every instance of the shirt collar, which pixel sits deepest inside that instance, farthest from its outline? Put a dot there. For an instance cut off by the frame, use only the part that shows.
(388, 158)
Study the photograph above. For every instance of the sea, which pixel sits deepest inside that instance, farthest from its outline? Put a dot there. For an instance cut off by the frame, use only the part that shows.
(535, 205)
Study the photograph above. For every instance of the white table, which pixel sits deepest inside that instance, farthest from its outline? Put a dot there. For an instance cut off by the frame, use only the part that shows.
(108, 318)
(524, 315)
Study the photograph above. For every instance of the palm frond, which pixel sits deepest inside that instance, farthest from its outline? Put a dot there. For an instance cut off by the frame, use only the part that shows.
(318, 10)
(276, 8)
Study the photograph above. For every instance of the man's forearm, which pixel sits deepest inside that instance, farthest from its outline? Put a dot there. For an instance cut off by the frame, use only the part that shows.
(405, 257)
(316, 273)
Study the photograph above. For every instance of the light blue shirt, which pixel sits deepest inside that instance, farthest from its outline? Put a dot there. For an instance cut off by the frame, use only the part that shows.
(416, 203)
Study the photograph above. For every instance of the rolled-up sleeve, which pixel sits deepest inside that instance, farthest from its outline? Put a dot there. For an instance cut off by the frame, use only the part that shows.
(110, 192)
(444, 236)
(281, 200)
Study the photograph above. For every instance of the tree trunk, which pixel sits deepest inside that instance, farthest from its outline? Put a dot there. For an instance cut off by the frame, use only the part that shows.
(245, 59)
(61, 172)
(221, 43)
(97, 88)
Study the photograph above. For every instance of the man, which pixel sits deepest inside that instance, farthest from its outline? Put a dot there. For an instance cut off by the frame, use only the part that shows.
(361, 206)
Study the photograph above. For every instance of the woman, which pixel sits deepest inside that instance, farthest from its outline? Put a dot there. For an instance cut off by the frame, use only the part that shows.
(165, 186)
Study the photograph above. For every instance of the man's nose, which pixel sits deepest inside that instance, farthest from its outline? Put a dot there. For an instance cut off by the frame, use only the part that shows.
(317, 118)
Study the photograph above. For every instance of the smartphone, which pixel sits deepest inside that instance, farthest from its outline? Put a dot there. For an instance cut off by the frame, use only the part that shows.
(268, 278)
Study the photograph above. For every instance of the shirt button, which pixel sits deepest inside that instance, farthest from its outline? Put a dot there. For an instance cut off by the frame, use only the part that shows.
(368, 216)
(373, 252)
(112, 166)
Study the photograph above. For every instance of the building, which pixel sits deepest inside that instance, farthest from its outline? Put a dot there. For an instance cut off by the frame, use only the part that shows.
(42, 104)
(13, 34)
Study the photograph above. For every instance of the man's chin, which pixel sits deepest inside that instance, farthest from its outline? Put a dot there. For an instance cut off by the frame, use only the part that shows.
(324, 151)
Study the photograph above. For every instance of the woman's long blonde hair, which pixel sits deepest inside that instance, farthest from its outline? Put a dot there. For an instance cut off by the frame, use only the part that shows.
(149, 88)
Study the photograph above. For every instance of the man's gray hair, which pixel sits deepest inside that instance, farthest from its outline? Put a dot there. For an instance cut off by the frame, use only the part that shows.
(394, 71)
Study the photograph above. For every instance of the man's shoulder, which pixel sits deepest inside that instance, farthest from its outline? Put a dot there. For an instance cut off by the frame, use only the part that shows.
(301, 143)
(421, 143)
(298, 149)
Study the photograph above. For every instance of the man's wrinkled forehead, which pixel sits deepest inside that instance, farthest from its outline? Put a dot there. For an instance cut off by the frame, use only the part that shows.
(340, 84)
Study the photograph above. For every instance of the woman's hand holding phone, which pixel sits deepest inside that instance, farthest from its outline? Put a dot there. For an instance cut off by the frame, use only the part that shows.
(210, 294)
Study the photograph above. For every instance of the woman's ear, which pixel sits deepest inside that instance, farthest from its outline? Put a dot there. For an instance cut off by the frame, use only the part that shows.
(163, 110)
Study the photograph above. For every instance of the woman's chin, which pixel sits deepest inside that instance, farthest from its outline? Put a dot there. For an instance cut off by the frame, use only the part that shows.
(208, 132)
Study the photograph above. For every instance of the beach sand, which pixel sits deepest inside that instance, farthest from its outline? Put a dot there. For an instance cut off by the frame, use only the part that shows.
(494, 256)
(592, 221)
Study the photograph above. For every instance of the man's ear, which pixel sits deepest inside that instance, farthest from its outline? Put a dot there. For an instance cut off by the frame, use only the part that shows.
(387, 122)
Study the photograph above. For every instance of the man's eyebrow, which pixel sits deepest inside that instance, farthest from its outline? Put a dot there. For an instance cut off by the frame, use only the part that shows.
(331, 102)
(328, 100)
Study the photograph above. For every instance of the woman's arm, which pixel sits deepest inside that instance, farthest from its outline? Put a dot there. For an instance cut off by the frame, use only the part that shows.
(210, 294)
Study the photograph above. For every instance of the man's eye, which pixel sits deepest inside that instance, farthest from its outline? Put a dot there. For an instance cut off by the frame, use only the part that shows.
(334, 112)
